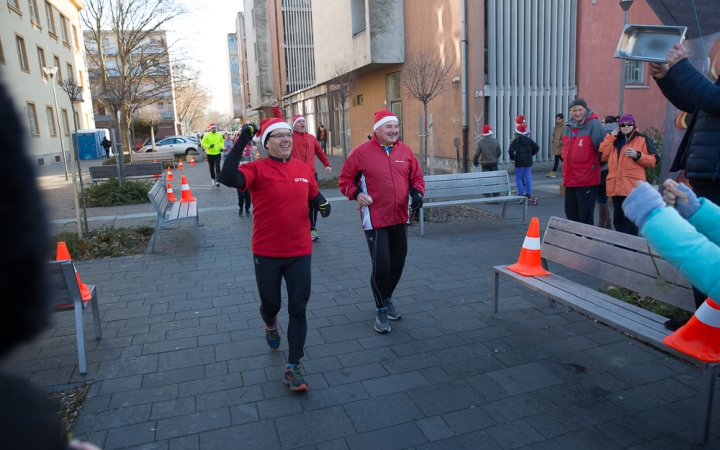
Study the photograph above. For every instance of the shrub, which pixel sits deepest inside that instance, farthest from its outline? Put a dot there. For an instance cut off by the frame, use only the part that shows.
(653, 173)
(105, 242)
(111, 161)
(110, 194)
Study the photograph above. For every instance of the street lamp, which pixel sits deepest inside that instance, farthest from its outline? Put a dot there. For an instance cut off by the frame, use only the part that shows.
(625, 5)
(50, 72)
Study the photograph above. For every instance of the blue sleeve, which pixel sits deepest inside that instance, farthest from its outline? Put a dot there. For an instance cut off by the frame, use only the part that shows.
(685, 248)
(706, 220)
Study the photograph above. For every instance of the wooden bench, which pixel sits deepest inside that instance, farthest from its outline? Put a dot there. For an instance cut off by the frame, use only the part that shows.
(170, 213)
(457, 189)
(132, 172)
(153, 156)
(621, 260)
(65, 296)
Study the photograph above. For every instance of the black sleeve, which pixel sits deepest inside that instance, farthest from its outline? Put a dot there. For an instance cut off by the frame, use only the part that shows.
(230, 176)
(316, 201)
(535, 147)
(511, 151)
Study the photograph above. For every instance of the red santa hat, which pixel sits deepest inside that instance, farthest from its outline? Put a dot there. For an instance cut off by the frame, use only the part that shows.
(521, 129)
(295, 118)
(382, 117)
(487, 131)
(520, 120)
(268, 125)
(212, 125)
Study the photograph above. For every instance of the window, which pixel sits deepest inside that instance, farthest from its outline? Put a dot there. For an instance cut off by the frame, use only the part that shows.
(101, 111)
(393, 97)
(2, 53)
(32, 5)
(161, 105)
(64, 30)
(41, 60)
(634, 72)
(51, 120)
(358, 100)
(80, 79)
(66, 124)
(32, 119)
(13, 5)
(75, 39)
(105, 42)
(22, 54)
(70, 75)
(357, 11)
(77, 120)
(50, 19)
(58, 75)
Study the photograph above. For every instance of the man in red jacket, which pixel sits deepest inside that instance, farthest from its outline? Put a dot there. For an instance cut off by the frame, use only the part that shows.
(305, 148)
(381, 174)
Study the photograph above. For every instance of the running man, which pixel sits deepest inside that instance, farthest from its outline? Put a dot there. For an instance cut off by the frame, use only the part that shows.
(283, 190)
(380, 174)
(214, 144)
(305, 148)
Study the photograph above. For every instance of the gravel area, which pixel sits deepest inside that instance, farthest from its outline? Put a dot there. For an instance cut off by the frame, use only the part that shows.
(458, 213)
(68, 404)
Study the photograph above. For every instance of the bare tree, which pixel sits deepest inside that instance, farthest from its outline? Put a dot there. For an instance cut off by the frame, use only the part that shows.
(190, 96)
(224, 121)
(425, 75)
(340, 87)
(151, 117)
(127, 57)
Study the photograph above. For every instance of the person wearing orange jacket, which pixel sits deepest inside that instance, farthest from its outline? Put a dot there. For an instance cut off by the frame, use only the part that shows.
(305, 148)
(628, 154)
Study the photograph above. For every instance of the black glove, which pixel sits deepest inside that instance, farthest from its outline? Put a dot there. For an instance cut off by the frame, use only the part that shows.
(248, 131)
(212, 146)
(417, 200)
(324, 209)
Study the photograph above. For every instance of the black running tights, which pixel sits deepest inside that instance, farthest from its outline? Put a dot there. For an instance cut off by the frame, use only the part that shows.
(269, 273)
(388, 248)
(214, 165)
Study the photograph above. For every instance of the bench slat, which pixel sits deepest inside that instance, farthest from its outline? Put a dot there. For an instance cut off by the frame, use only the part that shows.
(626, 319)
(472, 200)
(192, 209)
(172, 214)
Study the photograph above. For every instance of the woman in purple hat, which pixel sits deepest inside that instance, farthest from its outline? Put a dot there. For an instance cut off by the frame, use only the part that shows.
(628, 154)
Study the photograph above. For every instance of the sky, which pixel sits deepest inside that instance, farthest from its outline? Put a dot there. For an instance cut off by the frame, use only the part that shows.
(202, 34)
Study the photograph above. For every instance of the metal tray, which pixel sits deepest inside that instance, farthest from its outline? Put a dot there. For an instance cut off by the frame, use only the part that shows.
(648, 42)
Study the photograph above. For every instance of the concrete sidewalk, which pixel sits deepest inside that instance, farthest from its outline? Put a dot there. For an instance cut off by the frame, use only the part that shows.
(183, 362)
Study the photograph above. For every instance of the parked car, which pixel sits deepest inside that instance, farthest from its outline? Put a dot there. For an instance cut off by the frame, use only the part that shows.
(172, 144)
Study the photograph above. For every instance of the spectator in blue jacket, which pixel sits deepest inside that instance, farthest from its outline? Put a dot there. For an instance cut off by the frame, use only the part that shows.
(690, 91)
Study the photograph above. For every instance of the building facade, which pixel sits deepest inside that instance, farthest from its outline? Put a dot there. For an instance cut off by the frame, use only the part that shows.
(155, 95)
(507, 59)
(36, 34)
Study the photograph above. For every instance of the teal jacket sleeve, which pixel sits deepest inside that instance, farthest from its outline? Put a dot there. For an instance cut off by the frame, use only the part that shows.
(706, 220)
(682, 245)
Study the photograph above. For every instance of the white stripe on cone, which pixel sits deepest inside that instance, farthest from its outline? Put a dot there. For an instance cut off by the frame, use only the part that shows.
(531, 243)
(708, 315)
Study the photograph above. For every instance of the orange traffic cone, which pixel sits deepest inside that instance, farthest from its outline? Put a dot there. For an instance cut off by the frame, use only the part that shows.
(170, 194)
(529, 261)
(700, 337)
(186, 192)
(63, 254)
(192, 161)
(169, 176)
(180, 166)
(154, 160)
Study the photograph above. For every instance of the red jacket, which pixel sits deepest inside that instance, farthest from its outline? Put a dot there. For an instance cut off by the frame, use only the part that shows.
(305, 147)
(387, 178)
(580, 152)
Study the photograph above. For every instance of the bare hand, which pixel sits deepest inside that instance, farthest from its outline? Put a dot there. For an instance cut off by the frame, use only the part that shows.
(631, 153)
(364, 200)
(672, 193)
(657, 70)
(274, 103)
(676, 53)
(615, 132)
(328, 169)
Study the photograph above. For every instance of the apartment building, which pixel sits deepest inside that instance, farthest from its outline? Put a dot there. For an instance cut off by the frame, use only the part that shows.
(36, 34)
(156, 84)
(528, 58)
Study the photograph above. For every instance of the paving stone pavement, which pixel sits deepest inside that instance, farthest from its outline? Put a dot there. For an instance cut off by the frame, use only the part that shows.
(183, 363)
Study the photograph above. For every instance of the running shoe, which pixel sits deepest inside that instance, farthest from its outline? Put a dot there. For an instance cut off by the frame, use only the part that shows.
(247, 212)
(240, 212)
(314, 235)
(392, 313)
(217, 183)
(272, 336)
(381, 321)
(294, 378)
